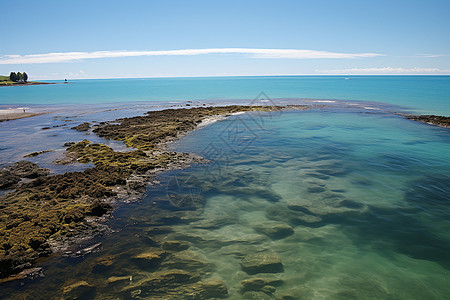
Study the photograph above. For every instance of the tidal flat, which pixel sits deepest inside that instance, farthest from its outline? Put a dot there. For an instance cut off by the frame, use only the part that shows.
(277, 204)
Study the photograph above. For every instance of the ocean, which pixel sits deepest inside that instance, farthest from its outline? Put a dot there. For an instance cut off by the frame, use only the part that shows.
(420, 94)
(352, 198)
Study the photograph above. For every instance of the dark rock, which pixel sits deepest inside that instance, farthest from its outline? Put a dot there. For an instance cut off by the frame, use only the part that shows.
(294, 218)
(351, 204)
(161, 283)
(292, 294)
(33, 154)
(99, 208)
(26, 169)
(315, 189)
(157, 230)
(268, 289)
(186, 260)
(82, 127)
(207, 289)
(262, 263)
(8, 179)
(274, 230)
(175, 245)
(441, 121)
(23, 169)
(256, 284)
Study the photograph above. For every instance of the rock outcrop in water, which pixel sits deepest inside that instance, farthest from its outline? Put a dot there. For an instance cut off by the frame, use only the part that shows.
(262, 263)
(13, 174)
(441, 121)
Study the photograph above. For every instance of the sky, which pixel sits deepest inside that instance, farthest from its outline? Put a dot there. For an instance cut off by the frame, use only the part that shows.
(172, 38)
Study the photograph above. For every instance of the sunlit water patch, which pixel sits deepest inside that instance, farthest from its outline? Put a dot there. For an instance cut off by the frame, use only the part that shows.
(322, 204)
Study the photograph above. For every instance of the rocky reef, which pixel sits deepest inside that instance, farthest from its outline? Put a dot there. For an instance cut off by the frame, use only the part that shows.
(49, 213)
(440, 121)
(13, 174)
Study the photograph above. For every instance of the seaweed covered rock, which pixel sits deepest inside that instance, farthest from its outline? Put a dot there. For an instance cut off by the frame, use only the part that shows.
(262, 263)
(441, 121)
(49, 206)
(11, 175)
(8, 179)
(257, 284)
(175, 284)
(34, 154)
(79, 289)
(146, 132)
(274, 230)
(26, 169)
(82, 127)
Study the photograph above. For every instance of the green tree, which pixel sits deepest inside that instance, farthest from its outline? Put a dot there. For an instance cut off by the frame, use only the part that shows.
(19, 76)
(25, 76)
(13, 76)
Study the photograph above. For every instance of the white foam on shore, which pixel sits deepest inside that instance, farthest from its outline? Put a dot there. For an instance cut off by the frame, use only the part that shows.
(210, 120)
(324, 101)
(213, 119)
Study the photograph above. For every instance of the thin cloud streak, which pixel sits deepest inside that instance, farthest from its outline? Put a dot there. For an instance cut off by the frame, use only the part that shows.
(386, 71)
(62, 57)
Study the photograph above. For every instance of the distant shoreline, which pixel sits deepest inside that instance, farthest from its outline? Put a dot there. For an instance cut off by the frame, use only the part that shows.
(30, 83)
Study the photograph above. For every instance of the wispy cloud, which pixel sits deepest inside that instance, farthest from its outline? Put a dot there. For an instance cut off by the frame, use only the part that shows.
(430, 55)
(61, 57)
(385, 70)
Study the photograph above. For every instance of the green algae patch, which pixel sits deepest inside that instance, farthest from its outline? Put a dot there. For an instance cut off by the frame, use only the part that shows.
(136, 161)
(49, 206)
(146, 132)
(34, 154)
(102, 155)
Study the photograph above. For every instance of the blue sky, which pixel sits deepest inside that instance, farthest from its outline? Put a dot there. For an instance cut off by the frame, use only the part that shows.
(110, 39)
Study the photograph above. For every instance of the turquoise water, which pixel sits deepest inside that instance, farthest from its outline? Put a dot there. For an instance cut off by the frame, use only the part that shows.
(366, 196)
(362, 194)
(422, 94)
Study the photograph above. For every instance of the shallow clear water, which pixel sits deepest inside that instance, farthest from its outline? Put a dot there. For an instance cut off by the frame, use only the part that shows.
(366, 193)
(422, 94)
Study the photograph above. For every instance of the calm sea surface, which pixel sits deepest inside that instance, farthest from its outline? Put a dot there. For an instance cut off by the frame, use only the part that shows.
(364, 191)
(422, 94)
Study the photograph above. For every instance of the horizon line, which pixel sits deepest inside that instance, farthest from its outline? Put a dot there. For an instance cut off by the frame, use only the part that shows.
(218, 76)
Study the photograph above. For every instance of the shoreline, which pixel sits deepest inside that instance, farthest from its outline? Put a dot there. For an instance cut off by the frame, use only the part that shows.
(117, 178)
(4, 117)
(30, 83)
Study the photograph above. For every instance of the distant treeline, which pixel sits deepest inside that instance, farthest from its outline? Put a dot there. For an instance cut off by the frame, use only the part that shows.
(18, 77)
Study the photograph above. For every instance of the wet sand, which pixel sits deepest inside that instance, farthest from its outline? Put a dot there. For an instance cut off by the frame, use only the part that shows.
(16, 113)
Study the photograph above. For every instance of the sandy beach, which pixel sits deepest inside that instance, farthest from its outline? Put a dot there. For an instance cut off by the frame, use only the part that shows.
(17, 113)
